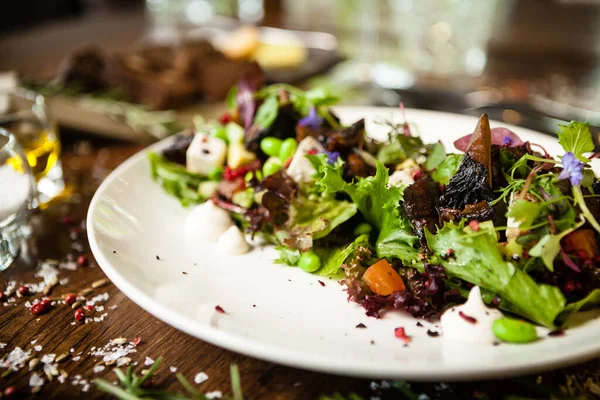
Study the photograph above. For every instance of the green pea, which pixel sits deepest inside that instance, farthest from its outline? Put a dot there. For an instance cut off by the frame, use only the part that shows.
(220, 133)
(288, 148)
(271, 166)
(362, 229)
(215, 174)
(514, 330)
(309, 261)
(270, 146)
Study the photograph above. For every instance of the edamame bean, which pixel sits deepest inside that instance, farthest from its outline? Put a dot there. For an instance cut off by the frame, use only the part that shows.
(271, 166)
(288, 148)
(514, 330)
(309, 261)
(270, 146)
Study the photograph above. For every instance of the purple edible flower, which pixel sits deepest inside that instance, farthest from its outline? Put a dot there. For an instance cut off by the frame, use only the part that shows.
(507, 141)
(572, 169)
(332, 157)
(312, 119)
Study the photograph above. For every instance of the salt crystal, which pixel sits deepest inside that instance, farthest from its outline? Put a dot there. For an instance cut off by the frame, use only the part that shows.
(48, 358)
(33, 341)
(113, 307)
(35, 380)
(27, 304)
(214, 395)
(38, 348)
(72, 350)
(101, 297)
(68, 265)
(148, 361)
(85, 387)
(76, 358)
(63, 281)
(99, 368)
(2, 345)
(200, 377)
(73, 323)
(61, 379)
(19, 186)
(15, 359)
(173, 369)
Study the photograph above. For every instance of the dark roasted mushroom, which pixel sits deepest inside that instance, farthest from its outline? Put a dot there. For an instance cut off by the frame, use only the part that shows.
(420, 201)
(470, 190)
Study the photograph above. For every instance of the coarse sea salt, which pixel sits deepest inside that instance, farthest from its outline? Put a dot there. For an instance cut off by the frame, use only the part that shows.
(38, 348)
(19, 187)
(214, 395)
(35, 380)
(15, 359)
(148, 361)
(200, 377)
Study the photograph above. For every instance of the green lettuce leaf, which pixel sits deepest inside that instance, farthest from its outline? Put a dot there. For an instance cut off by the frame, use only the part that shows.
(447, 168)
(333, 258)
(287, 256)
(437, 155)
(378, 204)
(477, 259)
(176, 180)
(320, 215)
(577, 139)
(588, 302)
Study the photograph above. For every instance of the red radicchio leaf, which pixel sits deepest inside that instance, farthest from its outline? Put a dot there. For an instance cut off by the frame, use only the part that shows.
(567, 260)
(246, 104)
(498, 137)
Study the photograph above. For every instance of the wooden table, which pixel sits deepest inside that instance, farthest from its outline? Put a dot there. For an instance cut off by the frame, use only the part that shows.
(60, 235)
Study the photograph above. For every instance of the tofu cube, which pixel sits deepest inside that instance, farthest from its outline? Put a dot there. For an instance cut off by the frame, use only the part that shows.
(205, 154)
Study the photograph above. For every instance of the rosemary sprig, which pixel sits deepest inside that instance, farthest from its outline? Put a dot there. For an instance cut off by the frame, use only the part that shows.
(132, 386)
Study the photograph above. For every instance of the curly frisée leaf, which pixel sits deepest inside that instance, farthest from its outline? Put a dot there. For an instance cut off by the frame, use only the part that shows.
(477, 259)
(577, 139)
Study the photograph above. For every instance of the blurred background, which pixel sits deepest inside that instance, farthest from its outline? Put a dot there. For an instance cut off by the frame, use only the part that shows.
(528, 62)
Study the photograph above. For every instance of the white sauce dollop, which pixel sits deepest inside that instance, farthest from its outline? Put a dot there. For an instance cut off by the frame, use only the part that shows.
(232, 242)
(206, 222)
(470, 322)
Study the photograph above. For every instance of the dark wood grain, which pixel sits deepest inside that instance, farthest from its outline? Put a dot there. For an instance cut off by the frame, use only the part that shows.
(86, 164)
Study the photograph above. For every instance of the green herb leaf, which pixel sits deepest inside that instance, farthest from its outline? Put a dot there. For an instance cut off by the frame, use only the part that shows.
(525, 212)
(447, 168)
(577, 139)
(267, 112)
(436, 156)
(549, 246)
(230, 100)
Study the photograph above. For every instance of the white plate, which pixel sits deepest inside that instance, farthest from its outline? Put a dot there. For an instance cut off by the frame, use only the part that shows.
(279, 313)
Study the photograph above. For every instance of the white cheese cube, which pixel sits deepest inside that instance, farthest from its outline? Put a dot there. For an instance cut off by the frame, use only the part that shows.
(300, 169)
(205, 154)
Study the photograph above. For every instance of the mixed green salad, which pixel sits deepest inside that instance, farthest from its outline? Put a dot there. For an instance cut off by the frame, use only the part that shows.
(404, 224)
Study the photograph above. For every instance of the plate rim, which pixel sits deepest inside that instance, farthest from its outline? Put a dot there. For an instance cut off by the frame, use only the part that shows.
(294, 358)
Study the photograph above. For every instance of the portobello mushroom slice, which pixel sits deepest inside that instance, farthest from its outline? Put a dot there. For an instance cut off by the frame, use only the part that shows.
(469, 191)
